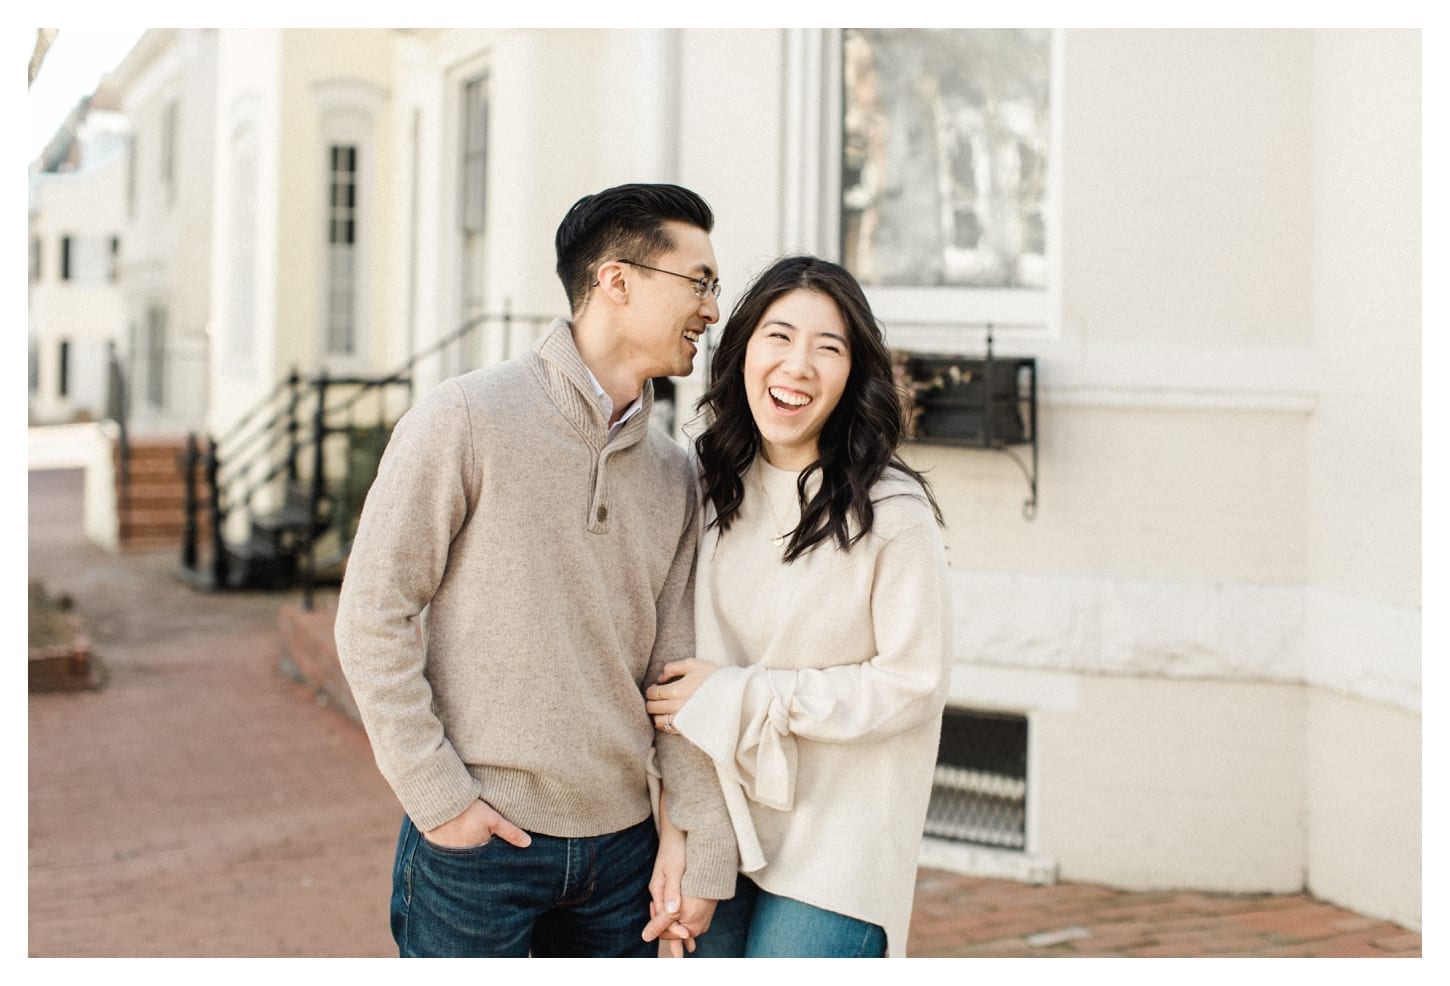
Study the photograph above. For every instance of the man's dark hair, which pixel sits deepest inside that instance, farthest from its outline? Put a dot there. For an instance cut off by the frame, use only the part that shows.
(621, 223)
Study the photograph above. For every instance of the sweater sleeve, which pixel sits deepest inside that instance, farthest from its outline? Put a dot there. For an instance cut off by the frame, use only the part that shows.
(688, 777)
(415, 507)
(749, 718)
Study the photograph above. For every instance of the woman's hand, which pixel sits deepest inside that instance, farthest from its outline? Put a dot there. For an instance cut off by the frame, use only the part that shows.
(679, 680)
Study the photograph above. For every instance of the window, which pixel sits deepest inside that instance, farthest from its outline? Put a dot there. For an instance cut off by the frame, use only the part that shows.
(114, 265)
(475, 141)
(947, 168)
(347, 113)
(979, 794)
(342, 249)
(67, 260)
(37, 249)
(131, 176)
(168, 151)
(63, 381)
(472, 213)
(156, 356)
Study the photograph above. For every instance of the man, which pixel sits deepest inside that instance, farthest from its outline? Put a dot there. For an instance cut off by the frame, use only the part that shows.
(549, 533)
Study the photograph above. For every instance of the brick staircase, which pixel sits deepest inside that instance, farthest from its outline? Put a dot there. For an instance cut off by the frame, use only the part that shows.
(153, 514)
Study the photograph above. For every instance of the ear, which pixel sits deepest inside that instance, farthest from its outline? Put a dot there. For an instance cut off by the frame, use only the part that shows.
(610, 276)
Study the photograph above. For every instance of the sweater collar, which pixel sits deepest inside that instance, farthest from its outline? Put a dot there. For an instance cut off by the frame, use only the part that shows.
(570, 386)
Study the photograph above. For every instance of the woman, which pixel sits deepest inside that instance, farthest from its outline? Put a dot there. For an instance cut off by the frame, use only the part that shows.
(822, 626)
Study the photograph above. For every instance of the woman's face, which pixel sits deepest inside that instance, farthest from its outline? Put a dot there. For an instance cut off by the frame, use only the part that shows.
(796, 365)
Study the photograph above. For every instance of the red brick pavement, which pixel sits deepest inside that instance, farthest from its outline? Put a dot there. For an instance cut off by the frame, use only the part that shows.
(204, 803)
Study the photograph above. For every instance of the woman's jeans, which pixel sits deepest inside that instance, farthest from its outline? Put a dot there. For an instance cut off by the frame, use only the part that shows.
(583, 897)
(758, 924)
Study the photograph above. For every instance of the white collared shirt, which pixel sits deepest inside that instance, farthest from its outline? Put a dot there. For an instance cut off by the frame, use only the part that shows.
(607, 405)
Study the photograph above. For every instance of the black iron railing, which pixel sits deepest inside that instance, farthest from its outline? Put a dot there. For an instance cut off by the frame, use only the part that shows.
(276, 467)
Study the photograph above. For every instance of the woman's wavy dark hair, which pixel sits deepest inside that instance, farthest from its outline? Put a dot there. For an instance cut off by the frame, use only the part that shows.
(856, 446)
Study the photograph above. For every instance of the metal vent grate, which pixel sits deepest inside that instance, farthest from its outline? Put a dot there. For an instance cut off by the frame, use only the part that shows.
(979, 793)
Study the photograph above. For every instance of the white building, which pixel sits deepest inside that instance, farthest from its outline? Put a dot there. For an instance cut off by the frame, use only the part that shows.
(1211, 626)
(167, 90)
(76, 223)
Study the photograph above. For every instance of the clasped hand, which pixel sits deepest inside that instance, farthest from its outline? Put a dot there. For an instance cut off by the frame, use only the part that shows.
(675, 918)
(679, 680)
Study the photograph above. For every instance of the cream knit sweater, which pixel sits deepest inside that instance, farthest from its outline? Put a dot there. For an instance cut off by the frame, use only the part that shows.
(824, 722)
(555, 564)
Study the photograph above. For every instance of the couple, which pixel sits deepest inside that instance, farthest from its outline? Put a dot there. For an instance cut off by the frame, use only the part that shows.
(624, 694)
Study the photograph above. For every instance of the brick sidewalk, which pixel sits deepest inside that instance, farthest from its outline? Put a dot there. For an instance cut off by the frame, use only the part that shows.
(203, 803)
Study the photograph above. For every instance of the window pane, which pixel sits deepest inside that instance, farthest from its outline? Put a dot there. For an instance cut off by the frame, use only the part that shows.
(944, 158)
(475, 143)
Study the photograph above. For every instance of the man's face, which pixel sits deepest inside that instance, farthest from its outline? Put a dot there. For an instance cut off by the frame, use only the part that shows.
(667, 318)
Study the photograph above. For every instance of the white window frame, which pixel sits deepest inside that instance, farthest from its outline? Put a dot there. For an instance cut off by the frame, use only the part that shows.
(347, 115)
(937, 319)
(472, 284)
(482, 347)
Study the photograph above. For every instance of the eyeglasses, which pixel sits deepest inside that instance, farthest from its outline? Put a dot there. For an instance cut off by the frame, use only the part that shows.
(703, 285)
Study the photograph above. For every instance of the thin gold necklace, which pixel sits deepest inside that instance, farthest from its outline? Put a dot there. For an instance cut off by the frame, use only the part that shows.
(779, 539)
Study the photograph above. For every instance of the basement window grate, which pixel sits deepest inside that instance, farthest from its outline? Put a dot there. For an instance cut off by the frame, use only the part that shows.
(979, 793)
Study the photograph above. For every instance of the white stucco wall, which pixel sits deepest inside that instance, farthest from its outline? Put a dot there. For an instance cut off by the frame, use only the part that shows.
(1229, 485)
(1156, 784)
(1364, 806)
(1364, 459)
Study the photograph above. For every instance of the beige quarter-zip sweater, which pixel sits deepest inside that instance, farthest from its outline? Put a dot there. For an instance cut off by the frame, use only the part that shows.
(823, 722)
(554, 562)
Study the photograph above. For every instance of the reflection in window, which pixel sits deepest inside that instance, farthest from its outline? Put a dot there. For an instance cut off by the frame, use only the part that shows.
(944, 159)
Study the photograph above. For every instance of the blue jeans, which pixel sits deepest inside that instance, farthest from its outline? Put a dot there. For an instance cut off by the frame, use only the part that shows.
(577, 898)
(757, 924)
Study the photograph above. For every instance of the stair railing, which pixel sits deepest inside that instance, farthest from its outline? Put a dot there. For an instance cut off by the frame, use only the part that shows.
(291, 423)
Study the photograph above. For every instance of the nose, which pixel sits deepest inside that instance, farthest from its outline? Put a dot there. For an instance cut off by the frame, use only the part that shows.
(710, 308)
(797, 361)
